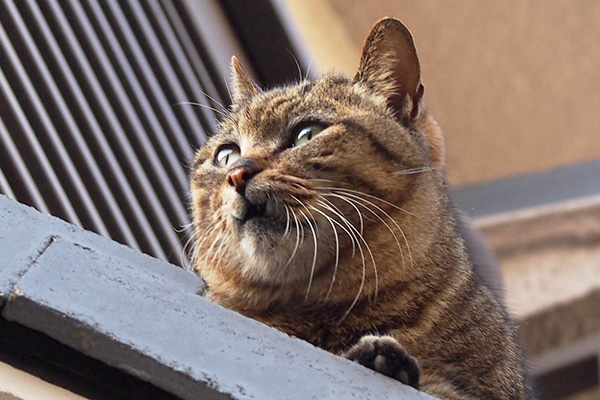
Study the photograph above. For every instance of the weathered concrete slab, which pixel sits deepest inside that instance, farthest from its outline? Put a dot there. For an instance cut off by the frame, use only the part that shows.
(143, 316)
(25, 233)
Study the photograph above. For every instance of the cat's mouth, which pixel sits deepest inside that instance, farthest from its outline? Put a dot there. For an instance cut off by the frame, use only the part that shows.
(246, 210)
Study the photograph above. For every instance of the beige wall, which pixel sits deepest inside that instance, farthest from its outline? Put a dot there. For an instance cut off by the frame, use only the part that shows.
(19, 385)
(515, 85)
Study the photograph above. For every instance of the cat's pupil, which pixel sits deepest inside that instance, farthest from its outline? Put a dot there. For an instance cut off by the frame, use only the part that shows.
(227, 155)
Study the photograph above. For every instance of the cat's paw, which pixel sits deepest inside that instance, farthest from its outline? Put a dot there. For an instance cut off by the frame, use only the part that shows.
(385, 355)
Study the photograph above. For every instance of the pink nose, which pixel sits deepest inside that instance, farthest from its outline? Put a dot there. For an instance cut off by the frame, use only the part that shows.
(241, 172)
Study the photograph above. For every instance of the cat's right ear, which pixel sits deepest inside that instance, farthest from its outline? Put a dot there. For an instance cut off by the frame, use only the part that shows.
(242, 87)
(390, 66)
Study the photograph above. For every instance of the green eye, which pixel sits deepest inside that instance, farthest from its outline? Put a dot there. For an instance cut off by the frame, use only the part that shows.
(227, 155)
(306, 133)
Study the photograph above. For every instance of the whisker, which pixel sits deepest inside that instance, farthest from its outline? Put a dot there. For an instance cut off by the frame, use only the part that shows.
(184, 227)
(360, 216)
(223, 108)
(393, 221)
(196, 246)
(337, 248)
(321, 180)
(308, 68)
(286, 232)
(192, 103)
(372, 197)
(360, 238)
(228, 88)
(336, 211)
(360, 288)
(315, 251)
(416, 170)
(186, 248)
(298, 225)
(297, 64)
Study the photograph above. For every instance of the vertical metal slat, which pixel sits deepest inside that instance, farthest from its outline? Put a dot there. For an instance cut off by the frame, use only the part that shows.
(23, 172)
(111, 119)
(155, 165)
(140, 96)
(5, 186)
(76, 136)
(159, 57)
(103, 148)
(210, 84)
(90, 126)
(63, 156)
(54, 183)
(182, 61)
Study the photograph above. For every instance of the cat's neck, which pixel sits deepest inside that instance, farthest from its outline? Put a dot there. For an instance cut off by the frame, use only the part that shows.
(402, 304)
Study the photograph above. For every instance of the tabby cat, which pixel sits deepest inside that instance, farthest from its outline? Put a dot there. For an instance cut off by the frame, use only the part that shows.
(321, 209)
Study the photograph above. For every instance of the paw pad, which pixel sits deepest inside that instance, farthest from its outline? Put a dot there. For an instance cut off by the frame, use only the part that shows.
(385, 355)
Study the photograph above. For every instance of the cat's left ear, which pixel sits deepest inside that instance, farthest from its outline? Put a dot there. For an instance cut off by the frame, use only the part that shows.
(242, 87)
(390, 65)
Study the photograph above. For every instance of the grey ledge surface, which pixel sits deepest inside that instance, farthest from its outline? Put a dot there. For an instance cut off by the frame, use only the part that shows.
(145, 317)
(576, 181)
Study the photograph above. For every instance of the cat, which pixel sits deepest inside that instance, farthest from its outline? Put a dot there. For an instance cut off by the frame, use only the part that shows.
(321, 209)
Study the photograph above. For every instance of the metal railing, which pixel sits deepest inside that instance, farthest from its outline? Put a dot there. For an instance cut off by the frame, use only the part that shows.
(101, 107)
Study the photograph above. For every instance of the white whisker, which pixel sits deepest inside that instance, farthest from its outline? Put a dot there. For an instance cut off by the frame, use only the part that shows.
(391, 219)
(286, 232)
(228, 88)
(336, 211)
(315, 251)
(195, 104)
(297, 64)
(360, 239)
(372, 197)
(298, 225)
(337, 248)
(416, 170)
(360, 216)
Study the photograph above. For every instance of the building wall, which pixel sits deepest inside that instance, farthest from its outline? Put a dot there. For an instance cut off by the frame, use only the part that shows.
(16, 384)
(515, 85)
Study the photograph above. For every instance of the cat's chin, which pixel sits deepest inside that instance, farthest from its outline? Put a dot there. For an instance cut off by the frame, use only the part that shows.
(268, 254)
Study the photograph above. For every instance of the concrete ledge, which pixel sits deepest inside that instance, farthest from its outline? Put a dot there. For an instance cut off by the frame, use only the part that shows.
(549, 255)
(26, 233)
(550, 261)
(145, 317)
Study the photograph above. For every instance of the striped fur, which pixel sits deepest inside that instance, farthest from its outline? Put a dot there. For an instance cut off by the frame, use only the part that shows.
(362, 239)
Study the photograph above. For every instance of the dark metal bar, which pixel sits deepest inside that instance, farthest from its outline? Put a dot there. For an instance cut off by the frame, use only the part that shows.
(5, 186)
(83, 203)
(158, 60)
(126, 111)
(266, 40)
(62, 200)
(24, 177)
(201, 63)
(181, 62)
(162, 144)
(91, 169)
(109, 119)
(85, 116)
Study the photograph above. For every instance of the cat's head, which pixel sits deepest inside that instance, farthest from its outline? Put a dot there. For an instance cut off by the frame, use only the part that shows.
(307, 189)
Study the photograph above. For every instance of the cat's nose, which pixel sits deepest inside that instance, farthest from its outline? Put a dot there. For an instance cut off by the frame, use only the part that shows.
(241, 172)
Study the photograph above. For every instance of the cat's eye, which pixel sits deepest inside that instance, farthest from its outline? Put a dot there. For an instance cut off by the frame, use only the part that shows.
(306, 133)
(227, 155)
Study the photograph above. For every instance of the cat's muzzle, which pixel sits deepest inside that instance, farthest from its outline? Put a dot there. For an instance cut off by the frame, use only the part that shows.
(245, 209)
